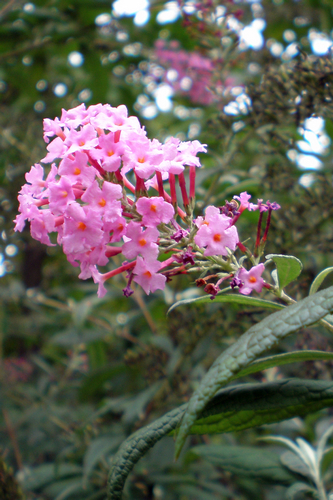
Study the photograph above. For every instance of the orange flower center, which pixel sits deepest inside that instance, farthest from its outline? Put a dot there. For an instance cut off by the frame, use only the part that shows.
(153, 208)
(147, 274)
(64, 194)
(77, 171)
(141, 160)
(142, 242)
(102, 202)
(110, 153)
(81, 143)
(217, 237)
(81, 226)
(252, 279)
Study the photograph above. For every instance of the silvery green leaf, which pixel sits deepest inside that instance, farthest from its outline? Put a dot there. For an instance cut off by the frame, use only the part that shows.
(257, 340)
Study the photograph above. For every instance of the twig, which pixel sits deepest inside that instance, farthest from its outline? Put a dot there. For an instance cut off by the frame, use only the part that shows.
(137, 296)
(6, 8)
(12, 437)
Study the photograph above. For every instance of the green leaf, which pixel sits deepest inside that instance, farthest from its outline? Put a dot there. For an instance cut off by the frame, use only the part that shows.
(135, 447)
(294, 463)
(252, 405)
(189, 491)
(288, 268)
(319, 279)
(94, 381)
(297, 488)
(231, 298)
(96, 354)
(232, 409)
(36, 477)
(246, 461)
(327, 459)
(257, 340)
(97, 449)
(283, 359)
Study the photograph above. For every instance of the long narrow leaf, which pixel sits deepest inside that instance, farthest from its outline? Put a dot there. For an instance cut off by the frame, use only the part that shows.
(246, 461)
(232, 409)
(319, 279)
(257, 340)
(283, 359)
(244, 300)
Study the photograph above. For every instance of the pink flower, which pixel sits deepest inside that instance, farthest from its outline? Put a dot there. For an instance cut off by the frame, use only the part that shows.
(188, 151)
(243, 198)
(82, 229)
(84, 197)
(117, 227)
(41, 223)
(60, 195)
(109, 154)
(251, 280)
(36, 178)
(76, 168)
(104, 200)
(141, 242)
(82, 140)
(51, 128)
(154, 210)
(74, 117)
(215, 233)
(147, 276)
(142, 156)
(100, 279)
(56, 149)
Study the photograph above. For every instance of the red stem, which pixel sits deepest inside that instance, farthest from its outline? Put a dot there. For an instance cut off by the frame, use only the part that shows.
(258, 232)
(112, 251)
(182, 185)
(192, 181)
(95, 164)
(160, 184)
(128, 184)
(268, 222)
(59, 220)
(241, 247)
(172, 182)
(140, 185)
(121, 269)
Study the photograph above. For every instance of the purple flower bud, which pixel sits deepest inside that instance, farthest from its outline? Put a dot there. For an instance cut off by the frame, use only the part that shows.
(235, 282)
(127, 291)
(179, 235)
(273, 206)
(212, 290)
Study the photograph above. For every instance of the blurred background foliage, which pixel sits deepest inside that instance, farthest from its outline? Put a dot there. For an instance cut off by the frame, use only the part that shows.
(78, 373)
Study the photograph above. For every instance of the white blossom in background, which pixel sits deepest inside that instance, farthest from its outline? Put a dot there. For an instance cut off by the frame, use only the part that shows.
(251, 36)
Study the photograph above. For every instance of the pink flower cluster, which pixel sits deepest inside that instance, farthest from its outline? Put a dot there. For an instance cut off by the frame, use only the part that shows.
(192, 73)
(87, 199)
(83, 197)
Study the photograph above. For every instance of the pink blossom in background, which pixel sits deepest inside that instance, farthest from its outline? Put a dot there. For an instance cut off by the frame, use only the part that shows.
(194, 72)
